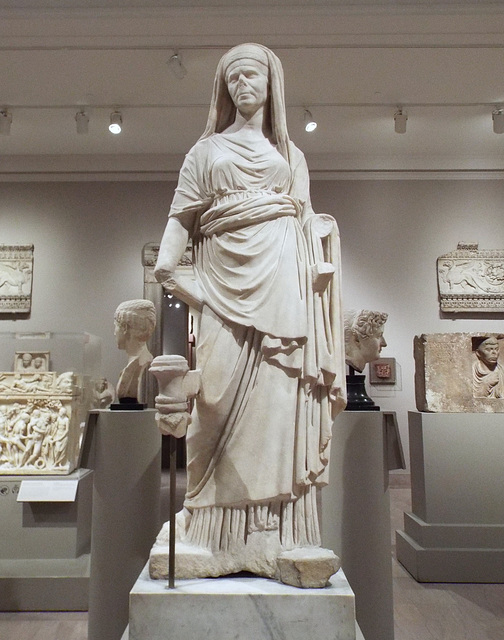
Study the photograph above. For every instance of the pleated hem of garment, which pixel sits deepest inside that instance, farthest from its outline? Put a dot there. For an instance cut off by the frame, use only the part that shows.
(295, 522)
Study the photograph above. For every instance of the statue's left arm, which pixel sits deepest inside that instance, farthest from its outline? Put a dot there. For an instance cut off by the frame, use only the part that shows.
(324, 256)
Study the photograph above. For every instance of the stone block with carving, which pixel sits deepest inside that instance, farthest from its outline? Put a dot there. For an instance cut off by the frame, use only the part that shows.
(16, 269)
(39, 427)
(459, 372)
(470, 279)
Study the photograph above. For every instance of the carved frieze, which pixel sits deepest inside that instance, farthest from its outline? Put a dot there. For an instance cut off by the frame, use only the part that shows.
(16, 269)
(470, 279)
(39, 429)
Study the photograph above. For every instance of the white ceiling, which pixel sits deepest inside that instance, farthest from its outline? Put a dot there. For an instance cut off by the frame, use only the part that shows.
(351, 63)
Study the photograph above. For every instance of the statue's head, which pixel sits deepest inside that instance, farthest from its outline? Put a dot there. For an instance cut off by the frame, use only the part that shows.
(134, 319)
(363, 336)
(26, 360)
(65, 381)
(223, 105)
(488, 351)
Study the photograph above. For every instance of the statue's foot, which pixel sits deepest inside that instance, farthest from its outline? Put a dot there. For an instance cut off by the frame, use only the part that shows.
(182, 519)
(307, 567)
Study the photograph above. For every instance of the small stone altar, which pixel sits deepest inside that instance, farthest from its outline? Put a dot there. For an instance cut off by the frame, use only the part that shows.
(39, 428)
(459, 372)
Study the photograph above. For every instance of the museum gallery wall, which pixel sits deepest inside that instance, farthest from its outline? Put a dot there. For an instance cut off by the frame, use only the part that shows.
(88, 238)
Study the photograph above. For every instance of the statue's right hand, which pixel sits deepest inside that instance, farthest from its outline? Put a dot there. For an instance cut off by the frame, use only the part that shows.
(173, 424)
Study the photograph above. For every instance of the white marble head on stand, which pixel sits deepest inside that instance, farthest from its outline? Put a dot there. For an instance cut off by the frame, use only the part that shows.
(134, 323)
(363, 337)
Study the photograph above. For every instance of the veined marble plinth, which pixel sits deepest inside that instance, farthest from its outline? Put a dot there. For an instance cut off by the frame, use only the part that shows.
(246, 607)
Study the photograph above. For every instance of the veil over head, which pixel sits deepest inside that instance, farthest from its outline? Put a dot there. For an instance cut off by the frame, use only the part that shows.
(222, 109)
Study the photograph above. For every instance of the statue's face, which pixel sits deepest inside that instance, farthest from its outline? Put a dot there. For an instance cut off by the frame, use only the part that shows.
(66, 383)
(247, 83)
(488, 351)
(26, 359)
(371, 346)
(120, 335)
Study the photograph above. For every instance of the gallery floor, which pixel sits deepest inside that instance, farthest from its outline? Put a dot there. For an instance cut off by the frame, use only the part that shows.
(422, 611)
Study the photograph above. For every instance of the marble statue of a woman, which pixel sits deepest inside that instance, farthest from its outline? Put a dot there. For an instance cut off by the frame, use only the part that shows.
(270, 341)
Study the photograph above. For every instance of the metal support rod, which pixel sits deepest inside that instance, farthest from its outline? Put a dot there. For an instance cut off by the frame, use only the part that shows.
(173, 489)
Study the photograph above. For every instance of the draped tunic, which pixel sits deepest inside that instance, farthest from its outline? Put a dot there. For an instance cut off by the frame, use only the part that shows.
(272, 370)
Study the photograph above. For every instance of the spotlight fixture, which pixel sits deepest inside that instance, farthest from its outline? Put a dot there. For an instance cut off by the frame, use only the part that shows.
(82, 122)
(309, 122)
(400, 120)
(176, 66)
(115, 125)
(498, 120)
(5, 122)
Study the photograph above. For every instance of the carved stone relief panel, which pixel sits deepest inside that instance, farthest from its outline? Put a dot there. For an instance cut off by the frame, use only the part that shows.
(28, 361)
(470, 279)
(459, 372)
(16, 269)
(39, 428)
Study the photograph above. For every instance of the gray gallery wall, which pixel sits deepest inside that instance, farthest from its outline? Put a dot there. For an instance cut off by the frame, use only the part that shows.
(88, 238)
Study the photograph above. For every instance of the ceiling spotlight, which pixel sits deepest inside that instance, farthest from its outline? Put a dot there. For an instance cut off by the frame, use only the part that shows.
(400, 120)
(115, 125)
(82, 122)
(309, 122)
(176, 66)
(5, 122)
(498, 120)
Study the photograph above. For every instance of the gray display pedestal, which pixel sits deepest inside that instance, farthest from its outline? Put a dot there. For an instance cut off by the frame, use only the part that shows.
(356, 512)
(455, 532)
(124, 449)
(44, 554)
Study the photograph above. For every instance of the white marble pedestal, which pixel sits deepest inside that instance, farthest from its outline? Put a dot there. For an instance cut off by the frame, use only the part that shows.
(248, 608)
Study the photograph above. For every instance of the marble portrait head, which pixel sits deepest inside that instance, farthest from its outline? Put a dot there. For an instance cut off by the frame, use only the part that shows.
(134, 321)
(363, 337)
(488, 352)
